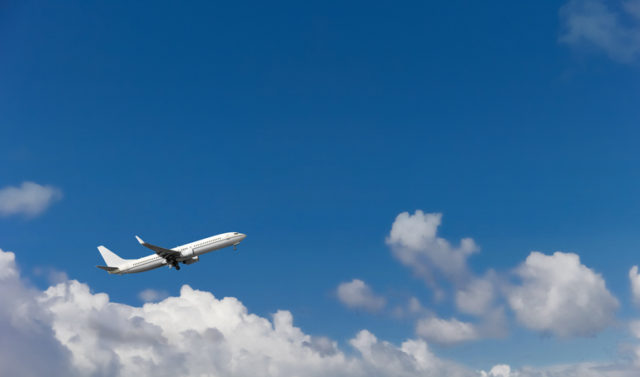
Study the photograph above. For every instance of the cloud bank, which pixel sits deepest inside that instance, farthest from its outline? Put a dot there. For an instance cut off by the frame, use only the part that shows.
(67, 330)
(71, 331)
(29, 199)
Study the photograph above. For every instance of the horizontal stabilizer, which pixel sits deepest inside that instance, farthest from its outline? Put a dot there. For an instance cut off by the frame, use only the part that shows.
(107, 268)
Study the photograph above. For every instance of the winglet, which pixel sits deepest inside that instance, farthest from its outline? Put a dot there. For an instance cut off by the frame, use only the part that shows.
(140, 240)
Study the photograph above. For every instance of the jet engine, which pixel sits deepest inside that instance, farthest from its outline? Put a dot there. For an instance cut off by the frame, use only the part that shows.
(187, 253)
(192, 260)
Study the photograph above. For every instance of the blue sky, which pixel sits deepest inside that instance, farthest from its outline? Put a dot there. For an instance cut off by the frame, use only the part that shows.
(310, 127)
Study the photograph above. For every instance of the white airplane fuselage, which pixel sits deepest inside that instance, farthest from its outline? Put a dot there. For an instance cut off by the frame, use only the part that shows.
(189, 253)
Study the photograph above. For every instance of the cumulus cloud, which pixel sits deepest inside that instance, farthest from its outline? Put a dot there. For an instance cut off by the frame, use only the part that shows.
(613, 27)
(414, 241)
(446, 332)
(25, 329)
(150, 295)
(561, 296)
(29, 199)
(557, 294)
(412, 358)
(634, 277)
(72, 331)
(356, 294)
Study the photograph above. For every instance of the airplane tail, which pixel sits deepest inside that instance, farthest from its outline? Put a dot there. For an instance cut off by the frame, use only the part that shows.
(110, 257)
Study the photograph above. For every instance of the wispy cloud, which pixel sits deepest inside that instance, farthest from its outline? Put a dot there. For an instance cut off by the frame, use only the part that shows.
(415, 243)
(612, 27)
(29, 199)
(634, 278)
(152, 295)
(356, 294)
(446, 332)
(478, 296)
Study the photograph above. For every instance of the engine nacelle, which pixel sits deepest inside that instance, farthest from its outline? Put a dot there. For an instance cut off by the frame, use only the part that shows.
(192, 260)
(187, 253)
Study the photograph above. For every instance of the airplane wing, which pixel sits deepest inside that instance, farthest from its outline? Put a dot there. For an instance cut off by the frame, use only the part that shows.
(167, 254)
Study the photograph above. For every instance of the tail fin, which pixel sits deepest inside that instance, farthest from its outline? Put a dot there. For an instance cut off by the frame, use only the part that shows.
(110, 257)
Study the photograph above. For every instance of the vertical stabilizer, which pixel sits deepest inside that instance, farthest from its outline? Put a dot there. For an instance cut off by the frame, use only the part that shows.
(110, 257)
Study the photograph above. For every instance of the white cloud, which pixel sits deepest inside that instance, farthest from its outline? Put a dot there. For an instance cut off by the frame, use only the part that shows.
(74, 332)
(477, 297)
(411, 308)
(500, 370)
(596, 23)
(558, 295)
(29, 199)
(414, 306)
(356, 294)
(634, 327)
(52, 275)
(25, 329)
(634, 277)
(412, 358)
(561, 296)
(413, 240)
(446, 332)
(150, 295)
(570, 370)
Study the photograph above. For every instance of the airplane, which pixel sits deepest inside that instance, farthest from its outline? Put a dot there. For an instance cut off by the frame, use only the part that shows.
(187, 254)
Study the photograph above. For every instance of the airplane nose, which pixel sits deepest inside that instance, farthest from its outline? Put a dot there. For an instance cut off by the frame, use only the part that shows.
(243, 235)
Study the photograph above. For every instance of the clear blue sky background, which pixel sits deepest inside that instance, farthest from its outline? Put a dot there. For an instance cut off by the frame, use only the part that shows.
(309, 127)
